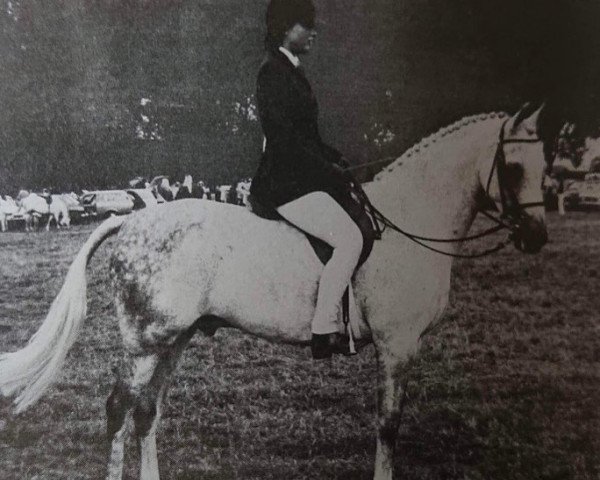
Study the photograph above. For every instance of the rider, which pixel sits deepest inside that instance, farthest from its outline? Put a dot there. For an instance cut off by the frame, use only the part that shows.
(302, 177)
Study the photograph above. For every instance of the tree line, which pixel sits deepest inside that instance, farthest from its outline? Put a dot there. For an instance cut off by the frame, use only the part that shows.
(95, 92)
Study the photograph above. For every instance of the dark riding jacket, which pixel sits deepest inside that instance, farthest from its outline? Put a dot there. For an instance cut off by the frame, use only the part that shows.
(296, 161)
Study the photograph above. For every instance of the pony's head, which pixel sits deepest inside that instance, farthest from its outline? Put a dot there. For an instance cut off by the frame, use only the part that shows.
(514, 182)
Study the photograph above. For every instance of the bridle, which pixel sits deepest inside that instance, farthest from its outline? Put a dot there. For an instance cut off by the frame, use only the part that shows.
(510, 218)
(512, 210)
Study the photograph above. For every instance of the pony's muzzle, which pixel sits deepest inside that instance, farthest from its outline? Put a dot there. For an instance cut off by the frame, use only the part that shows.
(530, 235)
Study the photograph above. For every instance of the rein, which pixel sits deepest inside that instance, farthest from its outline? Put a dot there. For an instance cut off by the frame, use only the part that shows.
(387, 223)
(511, 210)
(362, 166)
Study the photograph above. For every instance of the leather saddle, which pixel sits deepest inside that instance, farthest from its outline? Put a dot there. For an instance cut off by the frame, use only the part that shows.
(356, 209)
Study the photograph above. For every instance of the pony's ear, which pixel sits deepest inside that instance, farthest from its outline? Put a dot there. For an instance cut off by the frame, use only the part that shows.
(526, 120)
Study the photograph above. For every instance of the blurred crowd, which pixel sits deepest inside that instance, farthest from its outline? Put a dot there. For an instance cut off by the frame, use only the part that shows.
(161, 186)
(59, 207)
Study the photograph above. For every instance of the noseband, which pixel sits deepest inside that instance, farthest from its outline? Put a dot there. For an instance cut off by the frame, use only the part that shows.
(512, 210)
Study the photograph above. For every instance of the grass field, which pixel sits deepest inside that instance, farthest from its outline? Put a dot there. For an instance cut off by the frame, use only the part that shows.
(507, 387)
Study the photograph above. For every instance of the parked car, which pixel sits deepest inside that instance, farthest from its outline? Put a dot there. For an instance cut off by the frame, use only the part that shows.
(144, 197)
(584, 193)
(104, 203)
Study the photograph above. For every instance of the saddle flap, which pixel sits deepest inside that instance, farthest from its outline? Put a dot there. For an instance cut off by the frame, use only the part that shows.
(323, 250)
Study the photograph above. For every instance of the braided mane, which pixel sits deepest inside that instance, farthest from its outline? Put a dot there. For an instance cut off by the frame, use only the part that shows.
(425, 142)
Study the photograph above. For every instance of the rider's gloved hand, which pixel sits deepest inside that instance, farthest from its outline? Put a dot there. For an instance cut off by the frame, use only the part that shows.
(343, 162)
(342, 173)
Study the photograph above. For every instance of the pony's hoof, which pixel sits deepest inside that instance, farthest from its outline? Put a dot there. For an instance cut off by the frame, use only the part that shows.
(324, 346)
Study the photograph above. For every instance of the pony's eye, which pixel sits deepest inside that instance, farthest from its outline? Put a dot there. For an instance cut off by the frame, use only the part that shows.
(513, 174)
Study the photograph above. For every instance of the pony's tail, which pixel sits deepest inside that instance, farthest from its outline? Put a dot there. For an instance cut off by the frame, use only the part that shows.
(31, 370)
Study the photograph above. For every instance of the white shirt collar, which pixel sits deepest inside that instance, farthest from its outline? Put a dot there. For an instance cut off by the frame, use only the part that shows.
(292, 58)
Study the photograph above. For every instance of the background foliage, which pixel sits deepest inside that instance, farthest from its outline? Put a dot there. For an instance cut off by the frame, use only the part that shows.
(94, 92)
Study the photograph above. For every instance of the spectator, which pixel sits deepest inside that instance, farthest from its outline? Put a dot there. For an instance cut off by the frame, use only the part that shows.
(175, 189)
(242, 191)
(185, 190)
(224, 193)
(202, 190)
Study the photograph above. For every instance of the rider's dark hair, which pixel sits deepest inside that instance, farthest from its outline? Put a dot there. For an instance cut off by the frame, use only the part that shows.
(283, 15)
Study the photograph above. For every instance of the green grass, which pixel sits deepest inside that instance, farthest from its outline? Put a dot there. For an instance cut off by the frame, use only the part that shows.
(506, 387)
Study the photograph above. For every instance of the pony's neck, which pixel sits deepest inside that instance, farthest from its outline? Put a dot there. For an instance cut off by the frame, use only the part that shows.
(432, 189)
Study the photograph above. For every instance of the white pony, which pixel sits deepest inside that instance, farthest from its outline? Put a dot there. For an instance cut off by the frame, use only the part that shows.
(35, 205)
(196, 265)
(8, 207)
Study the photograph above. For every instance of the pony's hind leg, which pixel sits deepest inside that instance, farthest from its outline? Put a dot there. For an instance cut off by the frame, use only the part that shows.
(146, 417)
(141, 397)
(148, 408)
(124, 398)
(118, 411)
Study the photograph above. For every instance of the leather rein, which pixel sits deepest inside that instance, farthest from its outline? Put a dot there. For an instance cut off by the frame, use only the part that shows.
(510, 216)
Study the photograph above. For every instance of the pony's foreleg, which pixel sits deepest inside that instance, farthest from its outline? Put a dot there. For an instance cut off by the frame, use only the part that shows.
(50, 217)
(391, 392)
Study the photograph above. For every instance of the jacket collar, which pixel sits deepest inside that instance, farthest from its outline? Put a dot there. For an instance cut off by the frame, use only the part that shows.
(285, 61)
(295, 61)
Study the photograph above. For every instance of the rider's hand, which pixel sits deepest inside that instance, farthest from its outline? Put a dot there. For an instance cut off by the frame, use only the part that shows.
(343, 162)
(343, 173)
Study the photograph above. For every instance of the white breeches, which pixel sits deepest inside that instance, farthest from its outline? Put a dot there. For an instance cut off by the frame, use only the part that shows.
(318, 214)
